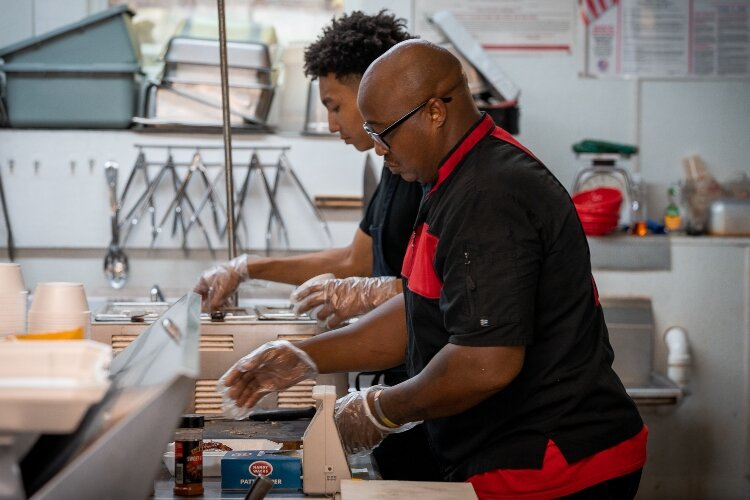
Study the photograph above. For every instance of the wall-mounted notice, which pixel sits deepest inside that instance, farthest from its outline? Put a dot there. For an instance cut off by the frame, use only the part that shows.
(515, 25)
(671, 39)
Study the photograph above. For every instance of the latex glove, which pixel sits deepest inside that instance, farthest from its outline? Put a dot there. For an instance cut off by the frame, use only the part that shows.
(360, 430)
(272, 367)
(345, 298)
(217, 285)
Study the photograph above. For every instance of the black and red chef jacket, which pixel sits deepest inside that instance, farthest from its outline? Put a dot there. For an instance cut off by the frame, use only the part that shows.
(499, 258)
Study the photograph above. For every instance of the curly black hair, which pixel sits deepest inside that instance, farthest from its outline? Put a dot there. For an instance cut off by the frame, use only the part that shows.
(353, 41)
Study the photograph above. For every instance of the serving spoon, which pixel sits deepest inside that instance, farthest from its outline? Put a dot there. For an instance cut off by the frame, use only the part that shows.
(115, 262)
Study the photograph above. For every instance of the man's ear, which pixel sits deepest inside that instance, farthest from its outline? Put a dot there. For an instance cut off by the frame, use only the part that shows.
(438, 112)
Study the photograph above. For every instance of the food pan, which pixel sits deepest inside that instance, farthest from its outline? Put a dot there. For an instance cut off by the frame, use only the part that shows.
(250, 55)
(200, 73)
(179, 100)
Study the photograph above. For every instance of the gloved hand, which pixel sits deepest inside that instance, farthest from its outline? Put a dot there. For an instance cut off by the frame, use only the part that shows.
(217, 285)
(360, 429)
(345, 298)
(272, 367)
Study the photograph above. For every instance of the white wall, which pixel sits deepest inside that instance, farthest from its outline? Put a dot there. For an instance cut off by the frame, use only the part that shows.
(698, 450)
(24, 18)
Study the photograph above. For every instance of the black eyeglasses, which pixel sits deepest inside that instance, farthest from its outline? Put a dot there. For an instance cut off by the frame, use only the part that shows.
(378, 138)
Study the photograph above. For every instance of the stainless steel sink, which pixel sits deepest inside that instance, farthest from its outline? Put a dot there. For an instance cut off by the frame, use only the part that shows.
(660, 391)
(630, 322)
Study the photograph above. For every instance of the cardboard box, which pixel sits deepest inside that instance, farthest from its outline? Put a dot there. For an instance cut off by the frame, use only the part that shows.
(240, 469)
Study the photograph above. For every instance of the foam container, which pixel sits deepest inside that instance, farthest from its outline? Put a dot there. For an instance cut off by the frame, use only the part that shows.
(48, 386)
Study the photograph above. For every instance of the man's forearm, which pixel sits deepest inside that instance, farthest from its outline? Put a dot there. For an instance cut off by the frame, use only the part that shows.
(297, 269)
(375, 342)
(456, 379)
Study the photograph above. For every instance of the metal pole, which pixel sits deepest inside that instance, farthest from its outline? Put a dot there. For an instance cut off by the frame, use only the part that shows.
(227, 129)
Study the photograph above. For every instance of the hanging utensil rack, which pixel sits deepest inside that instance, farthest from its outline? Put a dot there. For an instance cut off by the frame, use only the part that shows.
(194, 196)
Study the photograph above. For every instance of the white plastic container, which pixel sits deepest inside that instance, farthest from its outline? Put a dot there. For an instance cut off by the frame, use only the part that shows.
(47, 386)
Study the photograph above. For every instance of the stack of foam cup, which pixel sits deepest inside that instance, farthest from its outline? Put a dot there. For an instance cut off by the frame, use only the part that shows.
(13, 300)
(57, 306)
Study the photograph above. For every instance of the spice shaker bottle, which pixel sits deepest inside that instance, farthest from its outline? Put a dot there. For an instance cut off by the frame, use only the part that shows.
(188, 456)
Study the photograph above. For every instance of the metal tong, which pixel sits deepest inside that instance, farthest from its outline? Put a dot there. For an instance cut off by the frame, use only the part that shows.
(6, 215)
(196, 165)
(270, 191)
(146, 200)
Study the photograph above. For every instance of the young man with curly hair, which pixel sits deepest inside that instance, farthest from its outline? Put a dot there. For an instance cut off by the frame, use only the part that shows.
(366, 271)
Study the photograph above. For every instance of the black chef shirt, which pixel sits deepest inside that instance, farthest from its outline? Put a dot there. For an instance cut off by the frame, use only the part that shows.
(499, 258)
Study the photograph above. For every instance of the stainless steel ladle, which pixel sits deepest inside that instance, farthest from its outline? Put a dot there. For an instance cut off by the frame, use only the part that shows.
(115, 262)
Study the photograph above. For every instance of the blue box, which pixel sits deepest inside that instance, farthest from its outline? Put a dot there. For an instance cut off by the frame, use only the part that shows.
(240, 469)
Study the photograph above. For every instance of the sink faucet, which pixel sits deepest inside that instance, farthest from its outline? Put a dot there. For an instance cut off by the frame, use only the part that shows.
(156, 295)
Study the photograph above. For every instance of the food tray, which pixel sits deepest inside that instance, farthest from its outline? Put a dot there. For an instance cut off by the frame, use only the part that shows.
(148, 312)
(212, 459)
(277, 313)
(125, 311)
(47, 386)
(250, 55)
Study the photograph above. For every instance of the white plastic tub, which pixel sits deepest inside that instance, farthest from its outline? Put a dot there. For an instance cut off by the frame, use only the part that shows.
(47, 386)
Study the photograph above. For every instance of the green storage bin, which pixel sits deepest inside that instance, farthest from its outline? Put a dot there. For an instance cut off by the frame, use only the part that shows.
(105, 37)
(67, 96)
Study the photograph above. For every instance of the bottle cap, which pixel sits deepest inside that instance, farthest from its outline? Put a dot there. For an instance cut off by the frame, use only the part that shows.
(191, 421)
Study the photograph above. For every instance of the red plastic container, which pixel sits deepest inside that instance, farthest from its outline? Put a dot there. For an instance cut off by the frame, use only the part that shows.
(599, 218)
(598, 224)
(598, 228)
(602, 200)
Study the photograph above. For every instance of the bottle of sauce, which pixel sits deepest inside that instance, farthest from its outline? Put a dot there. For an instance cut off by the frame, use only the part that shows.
(672, 216)
(188, 456)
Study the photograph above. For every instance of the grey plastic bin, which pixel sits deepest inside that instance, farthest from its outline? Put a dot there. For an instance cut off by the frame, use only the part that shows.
(105, 37)
(67, 96)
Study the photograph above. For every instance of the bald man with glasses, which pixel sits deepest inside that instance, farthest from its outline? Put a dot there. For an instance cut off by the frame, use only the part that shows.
(500, 324)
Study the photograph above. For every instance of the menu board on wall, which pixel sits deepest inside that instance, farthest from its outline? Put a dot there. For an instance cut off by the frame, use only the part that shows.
(515, 25)
(671, 39)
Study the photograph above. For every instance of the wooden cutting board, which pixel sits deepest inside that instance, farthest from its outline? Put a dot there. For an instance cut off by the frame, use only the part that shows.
(413, 490)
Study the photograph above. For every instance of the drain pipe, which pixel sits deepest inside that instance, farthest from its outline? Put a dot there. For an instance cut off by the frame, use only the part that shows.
(678, 358)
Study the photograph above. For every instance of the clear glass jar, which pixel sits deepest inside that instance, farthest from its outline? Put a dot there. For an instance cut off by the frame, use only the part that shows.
(188, 456)
(639, 226)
